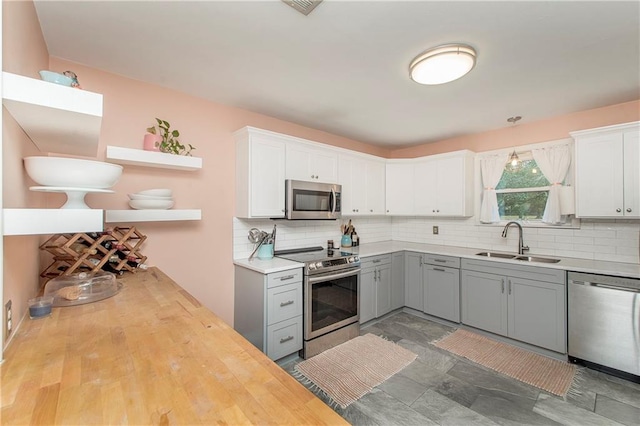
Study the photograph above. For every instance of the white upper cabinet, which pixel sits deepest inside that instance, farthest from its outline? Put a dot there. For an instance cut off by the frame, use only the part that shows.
(608, 172)
(56, 118)
(444, 185)
(308, 163)
(439, 185)
(363, 185)
(260, 173)
(400, 188)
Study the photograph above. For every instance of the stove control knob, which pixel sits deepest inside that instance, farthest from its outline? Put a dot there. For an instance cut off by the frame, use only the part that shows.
(312, 266)
(318, 265)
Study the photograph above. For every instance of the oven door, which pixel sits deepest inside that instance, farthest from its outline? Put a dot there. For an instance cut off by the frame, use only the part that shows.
(331, 301)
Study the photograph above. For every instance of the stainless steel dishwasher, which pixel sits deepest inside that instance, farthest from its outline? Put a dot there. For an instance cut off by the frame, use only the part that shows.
(604, 323)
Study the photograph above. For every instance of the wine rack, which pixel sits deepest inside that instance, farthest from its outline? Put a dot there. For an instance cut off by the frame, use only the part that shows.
(116, 250)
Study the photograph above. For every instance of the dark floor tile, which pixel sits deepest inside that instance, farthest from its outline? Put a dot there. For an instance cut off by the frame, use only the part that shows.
(430, 356)
(558, 410)
(401, 330)
(618, 411)
(388, 411)
(445, 411)
(402, 388)
(603, 384)
(379, 332)
(507, 412)
(485, 378)
(457, 390)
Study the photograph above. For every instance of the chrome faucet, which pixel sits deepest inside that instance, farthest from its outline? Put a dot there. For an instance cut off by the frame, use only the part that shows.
(521, 247)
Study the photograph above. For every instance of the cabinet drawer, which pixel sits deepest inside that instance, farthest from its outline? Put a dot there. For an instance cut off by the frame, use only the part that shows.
(284, 302)
(375, 261)
(284, 338)
(284, 277)
(438, 260)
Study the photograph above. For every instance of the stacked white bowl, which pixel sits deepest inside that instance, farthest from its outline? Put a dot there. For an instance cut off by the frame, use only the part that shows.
(151, 199)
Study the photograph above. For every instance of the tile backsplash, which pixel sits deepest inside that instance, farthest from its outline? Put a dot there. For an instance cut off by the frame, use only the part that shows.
(614, 240)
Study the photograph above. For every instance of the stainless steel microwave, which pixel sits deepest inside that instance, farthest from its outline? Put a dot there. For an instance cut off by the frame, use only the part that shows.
(312, 200)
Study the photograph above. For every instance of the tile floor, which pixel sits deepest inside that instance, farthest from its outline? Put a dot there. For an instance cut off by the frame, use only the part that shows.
(440, 388)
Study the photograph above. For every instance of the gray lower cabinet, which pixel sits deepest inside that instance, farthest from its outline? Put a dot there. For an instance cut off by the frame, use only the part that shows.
(441, 279)
(522, 302)
(397, 280)
(268, 310)
(413, 289)
(375, 287)
(433, 284)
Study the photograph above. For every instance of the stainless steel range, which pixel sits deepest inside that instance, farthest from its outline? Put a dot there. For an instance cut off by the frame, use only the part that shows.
(331, 292)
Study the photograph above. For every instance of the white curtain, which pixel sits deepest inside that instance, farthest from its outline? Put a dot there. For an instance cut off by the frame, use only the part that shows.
(554, 163)
(491, 169)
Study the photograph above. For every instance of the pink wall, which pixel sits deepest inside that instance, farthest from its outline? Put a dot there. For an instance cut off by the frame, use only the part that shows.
(23, 52)
(528, 133)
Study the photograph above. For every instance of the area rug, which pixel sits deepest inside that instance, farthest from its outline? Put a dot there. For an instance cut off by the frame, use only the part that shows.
(348, 371)
(549, 374)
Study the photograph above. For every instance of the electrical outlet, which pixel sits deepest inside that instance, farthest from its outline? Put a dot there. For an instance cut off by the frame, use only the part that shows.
(8, 320)
(435, 230)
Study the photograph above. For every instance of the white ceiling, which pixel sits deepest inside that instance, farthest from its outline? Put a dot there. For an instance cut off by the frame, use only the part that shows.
(344, 67)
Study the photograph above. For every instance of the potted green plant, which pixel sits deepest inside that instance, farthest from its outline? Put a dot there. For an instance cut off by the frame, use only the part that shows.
(166, 140)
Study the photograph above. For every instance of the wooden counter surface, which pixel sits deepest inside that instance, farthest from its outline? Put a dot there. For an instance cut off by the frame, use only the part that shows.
(149, 355)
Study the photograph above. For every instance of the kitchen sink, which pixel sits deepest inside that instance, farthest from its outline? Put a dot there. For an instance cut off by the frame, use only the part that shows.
(522, 258)
(537, 259)
(498, 255)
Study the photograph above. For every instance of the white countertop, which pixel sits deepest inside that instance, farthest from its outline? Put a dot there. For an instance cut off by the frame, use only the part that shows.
(631, 270)
(268, 266)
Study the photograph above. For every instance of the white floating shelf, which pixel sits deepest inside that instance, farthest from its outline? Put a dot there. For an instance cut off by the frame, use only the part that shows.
(139, 157)
(119, 216)
(57, 118)
(51, 221)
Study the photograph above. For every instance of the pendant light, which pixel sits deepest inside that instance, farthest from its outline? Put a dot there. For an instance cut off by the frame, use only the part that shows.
(442, 64)
(514, 160)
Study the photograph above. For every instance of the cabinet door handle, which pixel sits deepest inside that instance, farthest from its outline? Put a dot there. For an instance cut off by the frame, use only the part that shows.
(376, 261)
(378, 274)
(287, 303)
(509, 286)
(286, 278)
(629, 210)
(286, 339)
(440, 260)
(420, 260)
(439, 269)
(502, 281)
(618, 210)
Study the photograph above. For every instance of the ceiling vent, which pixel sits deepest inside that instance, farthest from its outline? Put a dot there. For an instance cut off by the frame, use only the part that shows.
(303, 6)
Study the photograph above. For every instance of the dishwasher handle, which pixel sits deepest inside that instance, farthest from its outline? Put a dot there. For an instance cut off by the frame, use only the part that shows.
(630, 289)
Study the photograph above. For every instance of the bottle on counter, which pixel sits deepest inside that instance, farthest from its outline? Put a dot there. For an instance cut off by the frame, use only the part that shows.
(355, 240)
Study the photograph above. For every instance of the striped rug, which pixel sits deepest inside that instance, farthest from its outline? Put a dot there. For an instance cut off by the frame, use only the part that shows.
(349, 371)
(549, 374)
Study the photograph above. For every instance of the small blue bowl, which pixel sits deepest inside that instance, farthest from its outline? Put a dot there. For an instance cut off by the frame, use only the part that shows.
(54, 77)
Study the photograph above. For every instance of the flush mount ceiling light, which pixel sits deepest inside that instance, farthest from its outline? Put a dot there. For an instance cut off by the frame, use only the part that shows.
(442, 64)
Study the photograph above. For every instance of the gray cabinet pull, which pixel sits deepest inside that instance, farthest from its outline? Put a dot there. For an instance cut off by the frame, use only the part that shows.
(290, 302)
(439, 269)
(502, 281)
(288, 277)
(509, 286)
(286, 339)
(440, 260)
(376, 261)
(629, 210)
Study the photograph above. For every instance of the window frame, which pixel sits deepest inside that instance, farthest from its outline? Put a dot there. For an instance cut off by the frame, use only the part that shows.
(524, 153)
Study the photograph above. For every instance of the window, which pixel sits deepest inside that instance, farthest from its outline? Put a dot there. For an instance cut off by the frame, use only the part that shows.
(522, 191)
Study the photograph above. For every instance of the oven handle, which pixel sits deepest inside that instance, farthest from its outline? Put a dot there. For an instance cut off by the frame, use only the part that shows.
(320, 278)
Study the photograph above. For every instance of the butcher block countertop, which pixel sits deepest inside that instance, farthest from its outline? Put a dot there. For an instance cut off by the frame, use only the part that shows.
(149, 355)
